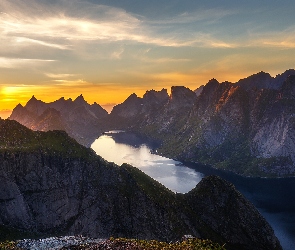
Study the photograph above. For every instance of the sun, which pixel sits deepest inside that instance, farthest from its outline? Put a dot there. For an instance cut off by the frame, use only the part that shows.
(11, 90)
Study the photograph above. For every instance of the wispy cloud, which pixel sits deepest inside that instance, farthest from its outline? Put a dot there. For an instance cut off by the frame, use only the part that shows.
(6, 62)
(60, 27)
(24, 41)
(201, 15)
(62, 76)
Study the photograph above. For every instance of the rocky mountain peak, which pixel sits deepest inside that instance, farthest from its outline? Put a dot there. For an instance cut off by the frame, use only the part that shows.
(61, 99)
(80, 100)
(35, 106)
(241, 216)
(260, 80)
(178, 92)
(155, 97)
(212, 82)
(81, 120)
(33, 100)
(18, 106)
(181, 97)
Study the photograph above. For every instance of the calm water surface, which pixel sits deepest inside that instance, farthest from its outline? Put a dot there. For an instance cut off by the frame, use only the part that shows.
(274, 198)
(172, 174)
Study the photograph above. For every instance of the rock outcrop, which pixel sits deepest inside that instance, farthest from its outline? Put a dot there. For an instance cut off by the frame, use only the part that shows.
(82, 121)
(50, 184)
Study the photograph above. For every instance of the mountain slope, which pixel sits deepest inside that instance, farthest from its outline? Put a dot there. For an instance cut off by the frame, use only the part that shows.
(50, 184)
(247, 127)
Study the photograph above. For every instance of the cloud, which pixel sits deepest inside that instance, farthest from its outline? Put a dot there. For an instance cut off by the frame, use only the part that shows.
(201, 15)
(117, 54)
(51, 75)
(23, 41)
(8, 63)
(61, 26)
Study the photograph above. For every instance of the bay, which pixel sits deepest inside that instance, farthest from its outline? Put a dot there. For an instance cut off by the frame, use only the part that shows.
(274, 198)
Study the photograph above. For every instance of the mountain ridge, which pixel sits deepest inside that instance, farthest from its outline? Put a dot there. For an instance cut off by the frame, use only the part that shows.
(79, 119)
(233, 126)
(228, 126)
(50, 184)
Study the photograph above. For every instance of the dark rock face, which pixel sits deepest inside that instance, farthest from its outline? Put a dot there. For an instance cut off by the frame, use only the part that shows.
(49, 184)
(82, 121)
(247, 225)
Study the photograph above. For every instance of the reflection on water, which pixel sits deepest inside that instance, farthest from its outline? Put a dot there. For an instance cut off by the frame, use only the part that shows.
(275, 198)
(170, 173)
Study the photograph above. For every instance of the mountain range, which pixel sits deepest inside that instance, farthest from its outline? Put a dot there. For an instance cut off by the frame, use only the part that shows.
(51, 185)
(79, 119)
(246, 127)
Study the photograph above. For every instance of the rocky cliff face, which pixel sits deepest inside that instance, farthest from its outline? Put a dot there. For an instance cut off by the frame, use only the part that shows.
(247, 127)
(49, 184)
(82, 121)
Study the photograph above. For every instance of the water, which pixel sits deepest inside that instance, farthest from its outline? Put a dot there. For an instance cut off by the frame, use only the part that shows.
(172, 174)
(274, 198)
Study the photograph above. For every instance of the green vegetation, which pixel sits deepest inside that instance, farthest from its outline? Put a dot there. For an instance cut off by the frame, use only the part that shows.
(16, 138)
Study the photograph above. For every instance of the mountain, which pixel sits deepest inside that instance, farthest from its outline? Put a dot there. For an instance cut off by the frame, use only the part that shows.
(79, 119)
(50, 184)
(245, 127)
(264, 80)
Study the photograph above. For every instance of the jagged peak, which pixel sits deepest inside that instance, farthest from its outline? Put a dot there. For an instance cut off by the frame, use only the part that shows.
(79, 98)
(180, 88)
(183, 95)
(213, 80)
(33, 99)
(18, 106)
(162, 94)
(132, 97)
(211, 83)
(287, 73)
(257, 76)
(80, 101)
(33, 102)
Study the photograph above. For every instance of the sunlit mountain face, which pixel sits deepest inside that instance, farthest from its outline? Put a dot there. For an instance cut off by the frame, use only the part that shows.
(109, 49)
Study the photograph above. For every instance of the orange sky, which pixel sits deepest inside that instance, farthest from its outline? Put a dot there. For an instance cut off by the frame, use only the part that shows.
(107, 50)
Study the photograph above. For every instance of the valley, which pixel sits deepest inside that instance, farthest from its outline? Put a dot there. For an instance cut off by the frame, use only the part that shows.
(244, 129)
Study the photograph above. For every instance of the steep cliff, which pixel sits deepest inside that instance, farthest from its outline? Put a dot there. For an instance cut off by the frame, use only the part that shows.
(246, 127)
(49, 184)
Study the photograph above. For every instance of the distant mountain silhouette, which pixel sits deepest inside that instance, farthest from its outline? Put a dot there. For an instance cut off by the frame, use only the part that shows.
(79, 119)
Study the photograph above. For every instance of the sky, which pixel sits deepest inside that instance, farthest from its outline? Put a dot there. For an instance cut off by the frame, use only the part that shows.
(109, 49)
